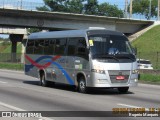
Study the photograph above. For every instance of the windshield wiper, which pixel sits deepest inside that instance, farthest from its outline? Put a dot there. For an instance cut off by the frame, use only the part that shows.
(106, 56)
(126, 57)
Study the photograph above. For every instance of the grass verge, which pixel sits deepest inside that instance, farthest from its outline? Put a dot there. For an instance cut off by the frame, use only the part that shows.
(12, 66)
(150, 78)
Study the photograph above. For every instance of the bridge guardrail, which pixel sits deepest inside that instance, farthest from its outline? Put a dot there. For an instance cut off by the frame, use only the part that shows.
(24, 5)
(19, 4)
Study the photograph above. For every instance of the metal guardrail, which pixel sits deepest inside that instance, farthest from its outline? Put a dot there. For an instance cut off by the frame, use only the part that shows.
(12, 61)
(24, 5)
(154, 57)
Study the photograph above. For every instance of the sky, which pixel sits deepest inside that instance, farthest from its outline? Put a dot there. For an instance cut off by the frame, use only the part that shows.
(120, 3)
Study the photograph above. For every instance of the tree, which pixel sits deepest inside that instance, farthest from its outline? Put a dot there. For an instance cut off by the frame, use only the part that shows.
(142, 7)
(74, 6)
(91, 7)
(105, 9)
(32, 30)
(44, 8)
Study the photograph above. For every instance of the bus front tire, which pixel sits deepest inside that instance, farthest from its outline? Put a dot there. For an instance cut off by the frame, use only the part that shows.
(123, 89)
(82, 85)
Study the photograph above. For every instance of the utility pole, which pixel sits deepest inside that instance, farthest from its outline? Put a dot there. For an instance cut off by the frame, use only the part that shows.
(150, 3)
(21, 4)
(130, 15)
(126, 8)
(158, 10)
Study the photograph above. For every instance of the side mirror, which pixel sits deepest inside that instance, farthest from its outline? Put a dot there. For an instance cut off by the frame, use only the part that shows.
(87, 50)
(135, 51)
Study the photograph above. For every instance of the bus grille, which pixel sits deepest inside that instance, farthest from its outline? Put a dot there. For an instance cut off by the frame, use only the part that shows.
(114, 73)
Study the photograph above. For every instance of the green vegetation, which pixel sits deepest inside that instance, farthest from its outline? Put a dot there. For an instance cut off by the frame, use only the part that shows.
(148, 46)
(142, 7)
(149, 41)
(150, 78)
(5, 47)
(91, 7)
(11, 66)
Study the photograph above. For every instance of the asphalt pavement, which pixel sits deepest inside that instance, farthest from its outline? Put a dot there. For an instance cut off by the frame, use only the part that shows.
(21, 93)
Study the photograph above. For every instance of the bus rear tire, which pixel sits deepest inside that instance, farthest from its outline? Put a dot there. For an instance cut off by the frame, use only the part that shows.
(82, 85)
(43, 81)
(123, 89)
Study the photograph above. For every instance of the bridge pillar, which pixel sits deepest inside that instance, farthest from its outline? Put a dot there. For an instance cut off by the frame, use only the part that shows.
(14, 39)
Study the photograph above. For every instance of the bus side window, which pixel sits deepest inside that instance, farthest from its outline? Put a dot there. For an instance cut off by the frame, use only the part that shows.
(72, 45)
(81, 48)
(39, 47)
(60, 46)
(30, 47)
(49, 47)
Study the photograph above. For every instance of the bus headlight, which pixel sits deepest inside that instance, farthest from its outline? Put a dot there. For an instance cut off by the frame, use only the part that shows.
(135, 72)
(98, 71)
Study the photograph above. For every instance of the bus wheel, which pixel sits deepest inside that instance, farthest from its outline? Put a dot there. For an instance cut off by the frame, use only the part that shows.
(43, 81)
(123, 89)
(82, 85)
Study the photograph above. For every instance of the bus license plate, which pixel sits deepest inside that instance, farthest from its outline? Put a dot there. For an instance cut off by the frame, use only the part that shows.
(120, 77)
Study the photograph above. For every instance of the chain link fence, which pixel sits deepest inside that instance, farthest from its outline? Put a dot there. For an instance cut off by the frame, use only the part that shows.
(13, 61)
(19, 4)
(154, 57)
(13, 58)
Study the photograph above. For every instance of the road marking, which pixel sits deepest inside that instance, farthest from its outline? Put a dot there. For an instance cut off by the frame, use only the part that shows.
(3, 82)
(132, 106)
(19, 109)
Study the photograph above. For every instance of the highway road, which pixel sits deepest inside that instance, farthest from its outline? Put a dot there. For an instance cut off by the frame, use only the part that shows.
(19, 92)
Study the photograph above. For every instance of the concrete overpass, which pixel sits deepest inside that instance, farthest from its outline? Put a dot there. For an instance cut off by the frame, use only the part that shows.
(13, 30)
(15, 35)
(61, 21)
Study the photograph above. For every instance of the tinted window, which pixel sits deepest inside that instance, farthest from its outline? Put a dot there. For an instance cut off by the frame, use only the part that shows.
(30, 47)
(81, 48)
(144, 62)
(60, 46)
(72, 45)
(49, 47)
(39, 47)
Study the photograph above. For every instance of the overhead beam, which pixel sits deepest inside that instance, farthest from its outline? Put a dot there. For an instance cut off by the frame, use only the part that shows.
(13, 30)
(61, 20)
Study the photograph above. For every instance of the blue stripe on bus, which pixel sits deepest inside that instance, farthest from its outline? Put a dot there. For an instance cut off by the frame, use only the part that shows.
(69, 79)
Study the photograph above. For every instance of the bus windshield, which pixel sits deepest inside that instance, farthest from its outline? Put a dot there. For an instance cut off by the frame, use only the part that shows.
(112, 46)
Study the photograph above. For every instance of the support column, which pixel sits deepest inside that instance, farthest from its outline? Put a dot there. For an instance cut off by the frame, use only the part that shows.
(13, 51)
(14, 39)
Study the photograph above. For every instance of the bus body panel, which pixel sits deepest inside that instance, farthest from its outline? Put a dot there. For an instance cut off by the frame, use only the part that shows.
(66, 69)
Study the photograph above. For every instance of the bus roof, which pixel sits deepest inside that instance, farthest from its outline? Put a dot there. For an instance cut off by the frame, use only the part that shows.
(71, 33)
